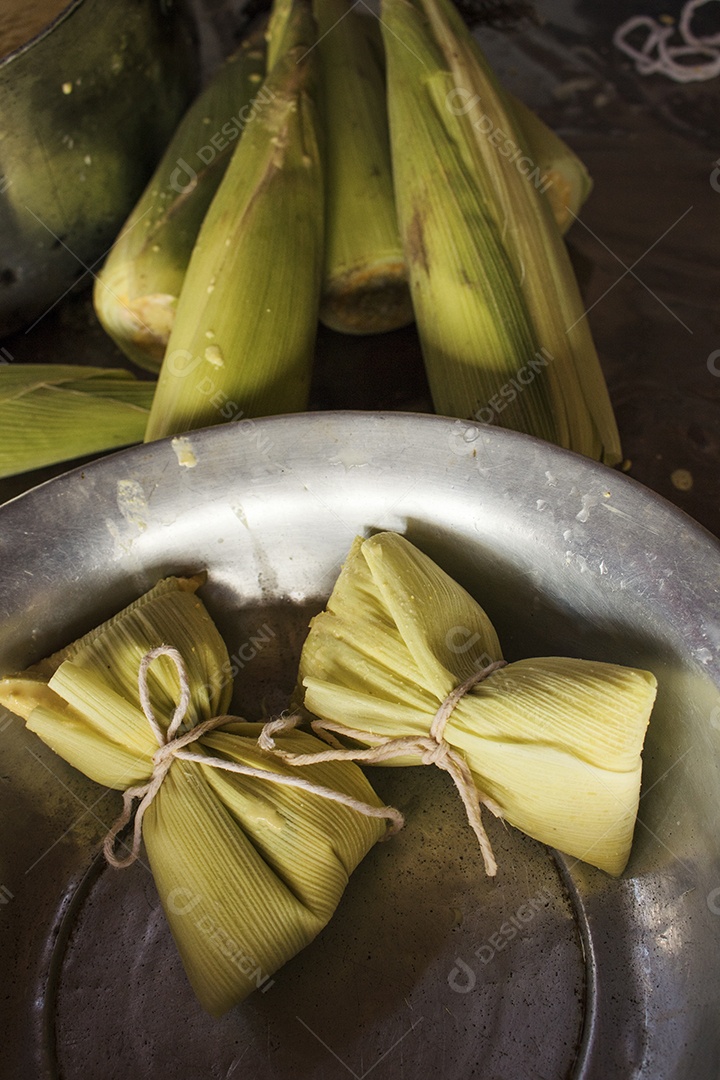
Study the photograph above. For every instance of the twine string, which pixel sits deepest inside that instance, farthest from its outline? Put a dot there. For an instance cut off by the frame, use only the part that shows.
(667, 61)
(172, 746)
(432, 748)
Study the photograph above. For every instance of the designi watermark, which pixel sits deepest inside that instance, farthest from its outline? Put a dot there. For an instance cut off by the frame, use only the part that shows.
(460, 102)
(715, 177)
(463, 977)
(242, 656)
(713, 363)
(181, 362)
(184, 177)
(182, 901)
(462, 436)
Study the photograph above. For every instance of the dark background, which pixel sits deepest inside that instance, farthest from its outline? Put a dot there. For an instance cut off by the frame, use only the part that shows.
(645, 249)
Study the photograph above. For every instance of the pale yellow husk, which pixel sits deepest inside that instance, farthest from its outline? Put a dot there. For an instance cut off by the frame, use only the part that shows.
(555, 742)
(248, 871)
(50, 413)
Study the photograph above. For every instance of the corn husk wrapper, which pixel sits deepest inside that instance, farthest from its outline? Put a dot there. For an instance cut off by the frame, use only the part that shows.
(51, 413)
(562, 175)
(365, 287)
(243, 340)
(136, 293)
(248, 871)
(554, 742)
(501, 321)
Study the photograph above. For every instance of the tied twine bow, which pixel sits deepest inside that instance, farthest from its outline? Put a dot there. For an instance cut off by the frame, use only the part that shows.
(433, 750)
(172, 746)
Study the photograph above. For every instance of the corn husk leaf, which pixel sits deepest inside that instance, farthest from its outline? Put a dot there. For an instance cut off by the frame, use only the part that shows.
(244, 335)
(553, 168)
(137, 290)
(51, 413)
(501, 321)
(365, 286)
(281, 14)
(248, 871)
(564, 178)
(555, 742)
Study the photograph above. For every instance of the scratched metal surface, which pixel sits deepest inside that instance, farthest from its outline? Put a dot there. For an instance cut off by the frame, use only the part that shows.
(554, 970)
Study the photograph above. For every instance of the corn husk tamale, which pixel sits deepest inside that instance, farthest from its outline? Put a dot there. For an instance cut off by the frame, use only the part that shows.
(137, 290)
(365, 288)
(555, 743)
(501, 321)
(244, 334)
(248, 870)
(51, 413)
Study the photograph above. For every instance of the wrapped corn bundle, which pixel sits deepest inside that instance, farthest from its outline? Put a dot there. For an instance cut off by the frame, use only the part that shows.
(136, 292)
(243, 339)
(249, 868)
(494, 292)
(405, 662)
(365, 289)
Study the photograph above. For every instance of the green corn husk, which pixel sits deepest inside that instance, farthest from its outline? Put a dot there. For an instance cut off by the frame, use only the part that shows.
(281, 13)
(137, 290)
(365, 288)
(51, 413)
(248, 871)
(500, 317)
(244, 336)
(551, 166)
(563, 176)
(555, 742)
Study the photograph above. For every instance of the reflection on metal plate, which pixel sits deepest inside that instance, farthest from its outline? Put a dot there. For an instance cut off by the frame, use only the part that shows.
(428, 968)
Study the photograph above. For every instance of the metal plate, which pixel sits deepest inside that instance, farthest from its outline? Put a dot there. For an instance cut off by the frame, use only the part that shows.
(554, 970)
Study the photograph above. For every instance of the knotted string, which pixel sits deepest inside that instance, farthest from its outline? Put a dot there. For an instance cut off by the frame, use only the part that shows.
(666, 61)
(433, 749)
(171, 746)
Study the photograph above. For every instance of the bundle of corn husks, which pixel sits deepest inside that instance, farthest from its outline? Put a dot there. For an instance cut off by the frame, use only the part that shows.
(329, 172)
(380, 177)
(243, 339)
(137, 290)
(553, 744)
(250, 859)
(501, 320)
